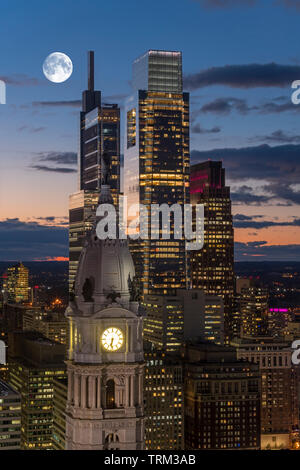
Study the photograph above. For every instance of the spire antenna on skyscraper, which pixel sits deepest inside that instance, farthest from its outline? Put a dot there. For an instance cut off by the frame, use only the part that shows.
(91, 70)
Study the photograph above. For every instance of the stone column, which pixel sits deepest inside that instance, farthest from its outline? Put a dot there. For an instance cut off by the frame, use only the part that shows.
(132, 391)
(83, 392)
(99, 404)
(126, 404)
(140, 388)
(92, 391)
(70, 389)
(76, 389)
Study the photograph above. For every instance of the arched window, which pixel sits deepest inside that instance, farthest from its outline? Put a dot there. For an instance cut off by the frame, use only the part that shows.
(110, 394)
(111, 441)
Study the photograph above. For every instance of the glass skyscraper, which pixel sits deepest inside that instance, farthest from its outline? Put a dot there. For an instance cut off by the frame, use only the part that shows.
(212, 268)
(156, 163)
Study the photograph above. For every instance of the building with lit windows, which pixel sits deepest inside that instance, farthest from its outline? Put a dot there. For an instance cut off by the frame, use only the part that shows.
(15, 284)
(60, 392)
(99, 134)
(52, 325)
(254, 307)
(163, 396)
(212, 267)
(221, 399)
(170, 320)
(10, 418)
(34, 363)
(279, 389)
(156, 163)
(82, 207)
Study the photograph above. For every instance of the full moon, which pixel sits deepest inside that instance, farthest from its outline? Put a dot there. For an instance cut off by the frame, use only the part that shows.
(57, 67)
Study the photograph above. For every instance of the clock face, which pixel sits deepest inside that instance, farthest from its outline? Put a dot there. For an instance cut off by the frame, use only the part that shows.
(112, 339)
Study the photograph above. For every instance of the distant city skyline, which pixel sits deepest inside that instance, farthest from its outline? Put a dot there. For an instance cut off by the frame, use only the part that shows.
(239, 73)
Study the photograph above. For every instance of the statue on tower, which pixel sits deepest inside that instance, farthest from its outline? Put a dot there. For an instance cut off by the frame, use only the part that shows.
(88, 290)
(134, 289)
(113, 296)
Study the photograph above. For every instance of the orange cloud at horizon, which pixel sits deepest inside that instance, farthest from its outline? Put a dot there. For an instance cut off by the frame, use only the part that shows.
(53, 258)
(272, 235)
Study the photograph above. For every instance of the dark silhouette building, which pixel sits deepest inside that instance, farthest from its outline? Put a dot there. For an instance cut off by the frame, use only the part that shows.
(99, 135)
(221, 399)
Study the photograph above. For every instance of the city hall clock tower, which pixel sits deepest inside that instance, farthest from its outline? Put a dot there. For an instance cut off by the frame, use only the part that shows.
(105, 362)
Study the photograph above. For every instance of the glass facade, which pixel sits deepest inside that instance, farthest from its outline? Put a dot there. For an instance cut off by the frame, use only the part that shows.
(158, 71)
(82, 210)
(156, 168)
(100, 132)
(212, 268)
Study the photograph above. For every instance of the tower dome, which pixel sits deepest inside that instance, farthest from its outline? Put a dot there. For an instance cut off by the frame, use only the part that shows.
(105, 269)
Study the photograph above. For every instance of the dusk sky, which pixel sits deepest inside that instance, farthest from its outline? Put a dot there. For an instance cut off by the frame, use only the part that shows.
(240, 58)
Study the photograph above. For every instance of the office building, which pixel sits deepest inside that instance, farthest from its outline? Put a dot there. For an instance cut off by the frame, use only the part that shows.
(254, 306)
(99, 135)
(163, 395)
(34, 363)
(10, 418)
(221, 399)
(15, 284)
(52, 325)
(60, 393)
(279, 388)
(212, 267)
(170, 320)
(156, 165)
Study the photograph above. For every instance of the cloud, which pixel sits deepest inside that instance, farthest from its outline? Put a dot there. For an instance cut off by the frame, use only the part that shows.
(275, 108)
(226, 105)
(60, 158)
(243, 221)
(284, 191)
(223, 4)
(53, 169)
(32, 130)
(197, 129)
(30, 240)
(246, 196)
(20, 80)
(226, 3)
(244, 76)
(245, 217)
(260, 251)
(276, 168)
(76, 103)
(279, 137)
(275, 164)
(58, 104)
(64, 158)
(289, 3)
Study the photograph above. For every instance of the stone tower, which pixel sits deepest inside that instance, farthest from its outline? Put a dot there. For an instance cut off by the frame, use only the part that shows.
(105, 362)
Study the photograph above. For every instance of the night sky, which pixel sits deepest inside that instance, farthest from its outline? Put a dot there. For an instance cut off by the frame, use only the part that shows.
(239, 59)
